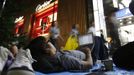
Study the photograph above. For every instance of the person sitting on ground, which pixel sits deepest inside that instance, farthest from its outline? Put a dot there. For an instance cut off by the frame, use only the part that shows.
(51, 60)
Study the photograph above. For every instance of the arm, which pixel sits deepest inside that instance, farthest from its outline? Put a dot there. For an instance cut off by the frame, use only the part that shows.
(70, 62)
(61, 38)
(88, 62)
(59, 35)
(51, 46)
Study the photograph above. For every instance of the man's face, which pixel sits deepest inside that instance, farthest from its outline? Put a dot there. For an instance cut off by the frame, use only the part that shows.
(50, 49)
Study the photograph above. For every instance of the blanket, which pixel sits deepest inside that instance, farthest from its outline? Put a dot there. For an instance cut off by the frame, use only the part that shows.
(94, 71)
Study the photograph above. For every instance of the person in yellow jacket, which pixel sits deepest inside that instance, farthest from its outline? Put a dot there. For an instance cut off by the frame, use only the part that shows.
(72, 41)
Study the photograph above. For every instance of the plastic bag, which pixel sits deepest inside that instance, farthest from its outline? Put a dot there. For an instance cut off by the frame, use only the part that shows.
(72, 43)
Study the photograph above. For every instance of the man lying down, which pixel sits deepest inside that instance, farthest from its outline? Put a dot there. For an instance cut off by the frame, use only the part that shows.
(51, 60)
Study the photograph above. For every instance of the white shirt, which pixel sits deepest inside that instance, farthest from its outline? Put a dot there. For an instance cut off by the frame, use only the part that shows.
(55, 32)
(74, 32)
(92, 30)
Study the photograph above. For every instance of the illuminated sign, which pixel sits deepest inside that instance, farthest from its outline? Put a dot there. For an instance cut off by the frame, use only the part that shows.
(19, 19)
(43, 5)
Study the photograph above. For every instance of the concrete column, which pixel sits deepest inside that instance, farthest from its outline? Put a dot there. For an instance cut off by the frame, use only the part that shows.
(99, 17)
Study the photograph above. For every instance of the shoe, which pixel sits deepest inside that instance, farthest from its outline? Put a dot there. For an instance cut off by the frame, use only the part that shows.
(4, 52)
(23, 59)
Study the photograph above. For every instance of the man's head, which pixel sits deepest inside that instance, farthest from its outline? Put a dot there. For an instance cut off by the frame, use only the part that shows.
(75, 26)
(38, 46)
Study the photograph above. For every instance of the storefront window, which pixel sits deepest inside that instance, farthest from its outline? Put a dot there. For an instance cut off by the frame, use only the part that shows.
(45, 14)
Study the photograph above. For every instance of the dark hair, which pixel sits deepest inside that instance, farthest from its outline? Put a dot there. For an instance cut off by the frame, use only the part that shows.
(123, 56)
(53, 24)
(131, 7)
(74, 26)
(37, 46)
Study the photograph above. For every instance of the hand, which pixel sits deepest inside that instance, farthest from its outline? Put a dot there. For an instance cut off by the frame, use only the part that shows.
(61, 38)
(88, 50)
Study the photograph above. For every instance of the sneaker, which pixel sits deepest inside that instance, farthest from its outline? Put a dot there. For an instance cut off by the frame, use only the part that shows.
(23, 59)
(4, 52)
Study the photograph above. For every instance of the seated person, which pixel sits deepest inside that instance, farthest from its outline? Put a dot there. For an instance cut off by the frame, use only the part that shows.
(123, 56)
(51, 60)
